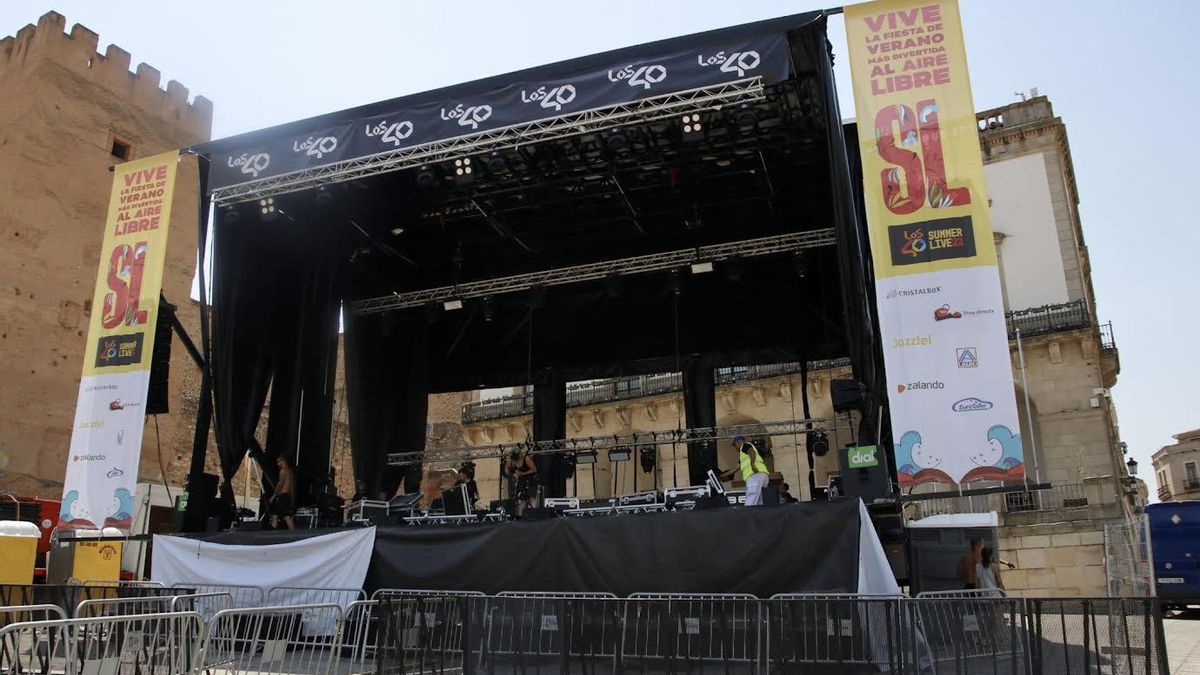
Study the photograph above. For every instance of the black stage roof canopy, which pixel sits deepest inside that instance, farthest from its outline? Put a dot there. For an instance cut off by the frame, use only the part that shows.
(698, 143)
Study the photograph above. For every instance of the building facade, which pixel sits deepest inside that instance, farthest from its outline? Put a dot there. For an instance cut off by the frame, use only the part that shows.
(69, 114)
(1064, 364)
(1177, 468)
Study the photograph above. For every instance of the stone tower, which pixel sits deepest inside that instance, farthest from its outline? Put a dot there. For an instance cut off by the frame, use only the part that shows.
(70, 113)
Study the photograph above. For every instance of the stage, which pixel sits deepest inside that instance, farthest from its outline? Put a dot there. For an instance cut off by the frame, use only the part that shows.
(827, 547)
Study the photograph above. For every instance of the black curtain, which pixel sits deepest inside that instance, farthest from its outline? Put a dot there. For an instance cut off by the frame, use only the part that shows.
(549, 424)
(387, 387)
(275, 322)
(700, 410)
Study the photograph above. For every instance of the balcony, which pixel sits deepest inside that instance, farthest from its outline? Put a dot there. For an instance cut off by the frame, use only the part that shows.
(1048, 319)
(1190, 484)
(1164, 494)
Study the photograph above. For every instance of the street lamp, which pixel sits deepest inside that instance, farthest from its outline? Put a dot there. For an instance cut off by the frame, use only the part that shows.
(1132, 466)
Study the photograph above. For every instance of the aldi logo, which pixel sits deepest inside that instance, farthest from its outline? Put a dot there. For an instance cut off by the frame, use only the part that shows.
(967, 357)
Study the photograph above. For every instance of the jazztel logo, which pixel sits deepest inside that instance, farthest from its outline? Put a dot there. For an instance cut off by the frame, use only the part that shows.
(639, 76)
(316, 147)
(910, 292)
(942, 239)
(736, 62)
(393, 132)
(920, 385)
(971, 405)
(251, 164)
(917, 341)
(468, 116)
(91, 424)
(554, 97)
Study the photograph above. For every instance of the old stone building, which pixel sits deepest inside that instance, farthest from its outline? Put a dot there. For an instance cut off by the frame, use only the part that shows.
(1177, 467)
(70, 113)
(1064, 363)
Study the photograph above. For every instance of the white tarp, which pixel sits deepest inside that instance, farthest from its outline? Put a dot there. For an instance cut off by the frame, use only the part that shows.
(336, 560)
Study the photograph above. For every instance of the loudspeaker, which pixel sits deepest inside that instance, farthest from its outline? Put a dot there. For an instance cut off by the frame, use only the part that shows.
(157, 397)
(847, 395)
(201, 502)
(863, 472)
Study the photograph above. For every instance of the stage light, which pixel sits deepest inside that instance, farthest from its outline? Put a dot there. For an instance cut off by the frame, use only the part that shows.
(733, 269)
(648, 457)
(613, 285)
(702, 267)
(692, 127)
(616, 140)
(675, 282)
(496, 164)
(397, 231)
(451, 305)
(800, 264)
(267, 207)
(619, 455)
(324, 197)
(426, 177)
(585, 457)
(746, 119)
(818, 443)
(489, 308)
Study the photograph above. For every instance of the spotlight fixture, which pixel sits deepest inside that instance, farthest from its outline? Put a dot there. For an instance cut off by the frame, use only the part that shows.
(585, 456)
(451, 305)
(702, 267)
(616, 140)
(496, 163)
(489, 308)
(692, 127)
(675, 282)
(463, 171)
(267, 207)
(619, 455)
(426, 177)
(800, 264)
(818, 443)
(397, 231)
(746, 119)
(647, 457)
(230, 215)
(324, 197)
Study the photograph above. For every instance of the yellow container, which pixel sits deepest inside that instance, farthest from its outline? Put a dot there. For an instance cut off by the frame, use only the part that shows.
(18, 551)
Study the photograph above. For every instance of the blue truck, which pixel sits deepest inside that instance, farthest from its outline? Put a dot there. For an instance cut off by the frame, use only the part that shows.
(1175, 546)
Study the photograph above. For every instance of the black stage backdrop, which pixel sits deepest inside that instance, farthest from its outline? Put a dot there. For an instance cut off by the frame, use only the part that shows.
(791, 548)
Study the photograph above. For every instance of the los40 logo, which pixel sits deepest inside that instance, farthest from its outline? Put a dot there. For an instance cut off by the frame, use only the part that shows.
(913, 144)
(126, 265)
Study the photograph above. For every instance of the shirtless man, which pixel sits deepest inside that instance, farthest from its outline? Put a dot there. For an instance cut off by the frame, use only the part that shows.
(283, 499)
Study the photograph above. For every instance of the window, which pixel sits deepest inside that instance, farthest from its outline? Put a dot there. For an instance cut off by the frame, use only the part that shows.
(1192, 479)
(121, 149)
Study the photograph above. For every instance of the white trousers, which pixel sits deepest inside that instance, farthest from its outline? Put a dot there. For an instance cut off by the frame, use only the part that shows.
(754, 487)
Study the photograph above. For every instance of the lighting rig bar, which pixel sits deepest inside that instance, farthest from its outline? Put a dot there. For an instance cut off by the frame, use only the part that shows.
(654, 262)
(594, 443)
(564, 126)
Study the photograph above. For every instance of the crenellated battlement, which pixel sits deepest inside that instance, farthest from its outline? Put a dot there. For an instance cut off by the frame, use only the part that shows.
(77, 51)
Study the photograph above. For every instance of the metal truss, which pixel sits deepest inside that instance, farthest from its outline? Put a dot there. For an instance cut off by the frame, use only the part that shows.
(563, 126)
(597, 443)
(653, 262)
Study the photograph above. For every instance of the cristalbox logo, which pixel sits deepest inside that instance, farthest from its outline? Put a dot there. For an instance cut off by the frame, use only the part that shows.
(734, 62)
(316, 146)
(910, 292)
(250, 163)
(550, 97)
(468, 115)
(639, 76)
(390, 132)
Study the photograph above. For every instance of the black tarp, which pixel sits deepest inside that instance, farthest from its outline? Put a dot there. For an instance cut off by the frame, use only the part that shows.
(793, 548)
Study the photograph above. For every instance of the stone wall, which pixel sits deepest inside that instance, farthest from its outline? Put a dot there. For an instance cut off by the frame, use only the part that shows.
(64, 104)
(1063, 559)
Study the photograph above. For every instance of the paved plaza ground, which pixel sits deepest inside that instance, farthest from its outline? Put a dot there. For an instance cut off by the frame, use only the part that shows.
(1183, 642)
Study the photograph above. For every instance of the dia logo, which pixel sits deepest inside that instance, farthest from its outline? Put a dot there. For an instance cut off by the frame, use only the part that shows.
(861, 457)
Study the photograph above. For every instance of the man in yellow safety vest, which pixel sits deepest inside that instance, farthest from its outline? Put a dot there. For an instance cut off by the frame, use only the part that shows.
(753, 468)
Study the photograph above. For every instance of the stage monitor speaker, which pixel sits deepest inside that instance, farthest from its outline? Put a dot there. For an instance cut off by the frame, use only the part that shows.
(863, 472)
(847, 395)
(456, 501)
(157, 395)
(201, 502)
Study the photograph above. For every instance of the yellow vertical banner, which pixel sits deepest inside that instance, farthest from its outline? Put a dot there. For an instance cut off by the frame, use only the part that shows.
(941, 313)
(106, 440)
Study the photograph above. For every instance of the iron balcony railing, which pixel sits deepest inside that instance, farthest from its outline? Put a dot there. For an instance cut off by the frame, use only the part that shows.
(1191, 483)
(1048, 319)
(1164, 494)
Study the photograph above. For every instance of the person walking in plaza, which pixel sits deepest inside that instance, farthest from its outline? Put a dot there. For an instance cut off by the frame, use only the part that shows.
(753, 469)
(987, 571)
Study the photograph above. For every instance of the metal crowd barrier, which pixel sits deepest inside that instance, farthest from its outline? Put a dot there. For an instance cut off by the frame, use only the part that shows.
(243, 596)
(301, 595)
(162, 644)
(294, 639)
(686, 631)
(26, 613)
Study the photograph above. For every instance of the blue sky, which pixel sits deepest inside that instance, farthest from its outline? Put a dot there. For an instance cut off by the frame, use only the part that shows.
(1119, 75)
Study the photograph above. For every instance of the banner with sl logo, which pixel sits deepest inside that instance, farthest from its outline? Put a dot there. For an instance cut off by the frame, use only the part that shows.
(106, 442)
(941, 311)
